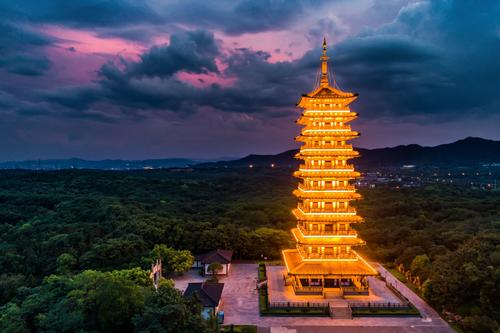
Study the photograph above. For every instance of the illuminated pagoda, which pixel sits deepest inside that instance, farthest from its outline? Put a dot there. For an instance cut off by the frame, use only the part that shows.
(324, 259)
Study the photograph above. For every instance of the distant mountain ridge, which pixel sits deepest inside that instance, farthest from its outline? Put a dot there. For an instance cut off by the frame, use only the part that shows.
(469, 151)
(78, 163)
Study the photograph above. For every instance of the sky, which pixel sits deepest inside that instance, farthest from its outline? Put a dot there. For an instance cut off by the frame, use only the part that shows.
(144, 79)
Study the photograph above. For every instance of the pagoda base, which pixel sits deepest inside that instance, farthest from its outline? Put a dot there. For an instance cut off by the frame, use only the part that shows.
(327, 277)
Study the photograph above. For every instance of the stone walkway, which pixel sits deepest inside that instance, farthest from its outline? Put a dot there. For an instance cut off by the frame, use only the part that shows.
(427, 312)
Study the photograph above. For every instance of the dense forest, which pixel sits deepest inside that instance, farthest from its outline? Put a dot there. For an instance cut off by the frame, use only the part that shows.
(74, 243)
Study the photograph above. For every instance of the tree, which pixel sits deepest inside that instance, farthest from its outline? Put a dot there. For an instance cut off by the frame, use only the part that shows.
(117, 300)
(11, 320)
(65, 263)
(173, 261)
(214, 268)
(421, 266)
(180, 262)
(167, 311)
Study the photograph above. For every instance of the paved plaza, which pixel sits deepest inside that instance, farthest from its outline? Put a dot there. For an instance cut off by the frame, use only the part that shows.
(240, 306)
(278, 292)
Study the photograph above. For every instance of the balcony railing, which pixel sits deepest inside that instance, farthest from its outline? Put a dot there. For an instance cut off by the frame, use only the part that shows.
(332, 256)
(326, 146)
(348, 167)
(350, 232)
(347, 210)
(305, 187)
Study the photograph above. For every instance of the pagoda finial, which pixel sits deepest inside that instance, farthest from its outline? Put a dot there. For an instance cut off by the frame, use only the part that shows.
(324, 66)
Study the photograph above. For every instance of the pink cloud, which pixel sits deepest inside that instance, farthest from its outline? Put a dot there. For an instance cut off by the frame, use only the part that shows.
(84, 41)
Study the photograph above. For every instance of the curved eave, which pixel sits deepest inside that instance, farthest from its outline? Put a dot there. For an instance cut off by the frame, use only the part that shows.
(326, 95)
(351, 195)
(326, 153)
(325, 239)
(306, 120)
(334, 217)
(325, 135)
(322, 173)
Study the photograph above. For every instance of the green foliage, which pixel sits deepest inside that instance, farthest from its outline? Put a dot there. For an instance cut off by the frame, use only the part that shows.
(79, 224)
(173, 261)
(239, 329)
(262, 276)
(421, 266)
(115, 301)
(448, 237)
(11, 320)
(65, 263)
(167, 311)
(214, 268)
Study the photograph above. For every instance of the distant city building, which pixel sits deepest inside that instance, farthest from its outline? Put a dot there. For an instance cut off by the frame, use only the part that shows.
(324, 259)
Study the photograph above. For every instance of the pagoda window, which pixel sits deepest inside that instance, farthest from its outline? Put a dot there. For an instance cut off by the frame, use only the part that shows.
(342, 227)
(328, 250)
(315, 227)
(329, 227)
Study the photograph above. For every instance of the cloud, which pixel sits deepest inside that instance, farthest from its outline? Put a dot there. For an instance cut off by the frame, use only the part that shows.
(398, 69)
(235, 17)
(81, 13)
(427, 65)
(426, 62)
(20, 50)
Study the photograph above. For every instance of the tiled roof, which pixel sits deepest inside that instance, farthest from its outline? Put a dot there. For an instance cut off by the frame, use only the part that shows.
(220, 256)
(209, 294)
(295, 265)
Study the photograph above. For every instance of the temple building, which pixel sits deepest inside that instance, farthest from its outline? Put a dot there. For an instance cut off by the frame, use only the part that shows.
(324, 259)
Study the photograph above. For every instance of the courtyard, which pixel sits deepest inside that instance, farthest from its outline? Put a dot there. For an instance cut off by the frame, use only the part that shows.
(240, 306)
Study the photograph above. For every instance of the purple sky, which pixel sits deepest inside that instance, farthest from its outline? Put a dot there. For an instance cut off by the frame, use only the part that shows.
(202, 79)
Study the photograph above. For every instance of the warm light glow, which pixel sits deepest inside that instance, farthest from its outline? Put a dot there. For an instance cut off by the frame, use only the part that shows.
(324, 215)
(322, 236)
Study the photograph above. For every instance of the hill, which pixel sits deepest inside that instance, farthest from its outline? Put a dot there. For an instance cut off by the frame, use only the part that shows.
(469, 151)
(78, 163)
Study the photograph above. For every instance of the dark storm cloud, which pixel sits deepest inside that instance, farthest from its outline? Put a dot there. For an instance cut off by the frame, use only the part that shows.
(415, 65)
(191, 51)
(150, 82)
(19, 50)
(235, 17)
(429, 61)
(128, 18)
(398, 69)
(80, 13)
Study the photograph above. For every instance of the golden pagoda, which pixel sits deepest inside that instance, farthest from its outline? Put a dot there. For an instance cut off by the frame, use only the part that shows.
(324, 259)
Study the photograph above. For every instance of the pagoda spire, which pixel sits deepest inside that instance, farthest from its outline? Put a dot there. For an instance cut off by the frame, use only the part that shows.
(324, 66)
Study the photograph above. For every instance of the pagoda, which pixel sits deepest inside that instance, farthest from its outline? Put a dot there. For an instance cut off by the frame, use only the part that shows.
(324, 259)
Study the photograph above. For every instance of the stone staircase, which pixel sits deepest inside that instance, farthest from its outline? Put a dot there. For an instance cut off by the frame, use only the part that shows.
(339, 309)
